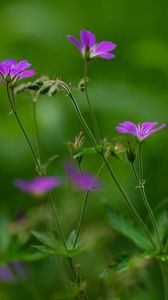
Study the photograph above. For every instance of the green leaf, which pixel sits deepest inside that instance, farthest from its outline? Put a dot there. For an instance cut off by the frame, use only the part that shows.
(119, 265)
(124, 262)
(71, 239)
(51, 246)
(127, 227)
(162, 223)
(46, 239)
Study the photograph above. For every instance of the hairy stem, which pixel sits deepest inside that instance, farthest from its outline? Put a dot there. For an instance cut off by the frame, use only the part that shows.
(11, 101)
(145, 200)
(164, 271)
(94, 122)
(81, 218)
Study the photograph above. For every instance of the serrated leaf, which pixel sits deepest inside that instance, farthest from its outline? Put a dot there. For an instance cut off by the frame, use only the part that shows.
(127, 227)
(119, 265)
(71, 240)
(44, 249)
(46, 239)
(51, 246)
(162, 223)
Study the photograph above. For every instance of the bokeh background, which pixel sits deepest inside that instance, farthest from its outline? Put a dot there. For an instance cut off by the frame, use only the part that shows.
(131, 87)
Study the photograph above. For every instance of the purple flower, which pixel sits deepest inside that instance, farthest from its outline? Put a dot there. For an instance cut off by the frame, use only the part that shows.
(7, 275)
(141, 131)
(38, 186)
(90, 49)
(11, 70)
(83, 180)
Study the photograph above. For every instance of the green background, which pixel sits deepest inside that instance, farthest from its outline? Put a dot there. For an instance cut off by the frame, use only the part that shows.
(131, 87)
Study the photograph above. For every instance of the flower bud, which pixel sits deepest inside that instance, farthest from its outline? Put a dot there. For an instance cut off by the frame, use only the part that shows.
(83, 85)
(131, 154)
(53, 90)
(45, 88)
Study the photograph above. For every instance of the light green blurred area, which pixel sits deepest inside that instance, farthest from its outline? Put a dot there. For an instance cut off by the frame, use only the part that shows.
(131, 87)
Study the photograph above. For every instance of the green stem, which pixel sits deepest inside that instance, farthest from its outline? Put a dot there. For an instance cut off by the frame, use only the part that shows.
(82, 119)
(81, 218)
(128, 201)
(164, 272)
(94, 122)
(145, 200)
(11, 101)
(36, 130)
(125, 196)
(38, 162)
(50, 198)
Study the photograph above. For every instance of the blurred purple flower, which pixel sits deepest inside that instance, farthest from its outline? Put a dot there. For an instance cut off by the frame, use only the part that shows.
(38, 185)
(11, 70)
(90, 49)
(82, 180)
(141, 131)
(6, 273)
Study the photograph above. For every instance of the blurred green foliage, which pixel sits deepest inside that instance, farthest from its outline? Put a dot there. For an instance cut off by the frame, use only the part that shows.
(133, 86)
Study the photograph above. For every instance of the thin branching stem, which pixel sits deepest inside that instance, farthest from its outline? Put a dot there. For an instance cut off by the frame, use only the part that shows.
(92, 114)
(145, 200)
(113, 176)
(81, 217)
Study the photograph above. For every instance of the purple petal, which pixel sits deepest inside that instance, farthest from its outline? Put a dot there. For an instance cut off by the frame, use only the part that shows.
(74, 41)
(107, 55)
(82, 180)
(156, 129)
(85, 181)
(104, 46)
(6, 273)
(19, 67)
(146, 126)
(88, 39)
(9, 62)
(38, 185)
(27, 73)
(127, 127)
(4, 69)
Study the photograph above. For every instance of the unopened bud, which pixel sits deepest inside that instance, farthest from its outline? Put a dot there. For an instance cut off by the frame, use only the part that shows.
(53, 90)
(83, 84)
(44, 89)
(131, 154)
(33, 87)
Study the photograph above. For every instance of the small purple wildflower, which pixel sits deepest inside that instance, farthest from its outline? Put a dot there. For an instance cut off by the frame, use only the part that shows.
(11, 70)
(141, 131)
(90, 49)
(83, 180)
(39, 185)
(7, 275)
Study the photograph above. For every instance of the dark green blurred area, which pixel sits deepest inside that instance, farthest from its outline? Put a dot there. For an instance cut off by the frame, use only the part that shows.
(131, 87)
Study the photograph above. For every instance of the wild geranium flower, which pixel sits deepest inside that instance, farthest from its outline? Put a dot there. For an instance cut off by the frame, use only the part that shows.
(90, 49)
(11, 70)
(141, 131)
(82, 180)
(39, 185)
